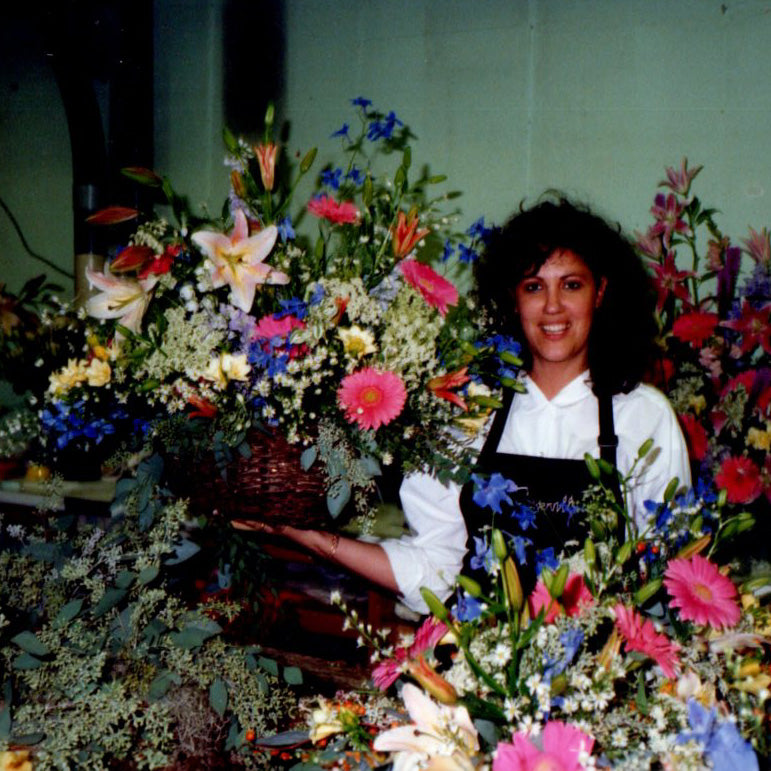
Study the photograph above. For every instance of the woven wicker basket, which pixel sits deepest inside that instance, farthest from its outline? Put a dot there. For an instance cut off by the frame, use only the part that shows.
(271, 485)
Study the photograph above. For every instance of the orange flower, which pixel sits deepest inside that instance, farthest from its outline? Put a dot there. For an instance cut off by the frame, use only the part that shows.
(406, 233)
(442, 384)
(266, 157)
(203, 407)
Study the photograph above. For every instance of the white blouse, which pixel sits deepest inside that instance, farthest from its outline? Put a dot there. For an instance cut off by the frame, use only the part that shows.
(563, 427)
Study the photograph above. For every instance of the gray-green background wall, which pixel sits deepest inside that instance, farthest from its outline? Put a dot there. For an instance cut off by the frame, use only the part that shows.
(507, 97)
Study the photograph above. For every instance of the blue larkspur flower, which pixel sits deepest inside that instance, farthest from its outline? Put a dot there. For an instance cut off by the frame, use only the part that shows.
(361, 101)
(356, 175)
(294, 306)
(525, 516)
(317, 295)
(467, 254)
(342, 131)
(285, 230)
(384, 128)
(467, 608)
(545, 558)
(519, 544)
(483, 559)
(448, 251)
(331, 178)
(490, 493)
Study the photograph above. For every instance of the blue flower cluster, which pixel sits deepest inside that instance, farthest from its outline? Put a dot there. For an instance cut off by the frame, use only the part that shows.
(70, 422)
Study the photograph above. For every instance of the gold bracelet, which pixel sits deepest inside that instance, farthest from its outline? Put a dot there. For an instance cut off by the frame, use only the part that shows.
(333, 546)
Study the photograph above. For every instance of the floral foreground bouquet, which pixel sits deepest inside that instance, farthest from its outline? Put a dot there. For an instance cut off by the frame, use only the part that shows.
(715, 322)
(641, 654)
(357, 348)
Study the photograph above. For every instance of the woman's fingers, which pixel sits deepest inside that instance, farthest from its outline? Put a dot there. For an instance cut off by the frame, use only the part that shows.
(251, 524)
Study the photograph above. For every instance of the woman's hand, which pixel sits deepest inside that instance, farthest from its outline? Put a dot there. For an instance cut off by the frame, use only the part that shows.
(257, 526)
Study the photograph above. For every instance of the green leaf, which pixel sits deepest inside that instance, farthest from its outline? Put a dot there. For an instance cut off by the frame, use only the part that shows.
(338, 495)
(436, 179)
(183, 551)
(28, 739)
(148, 574)
(67, 613)
(28, 642)
(269, 665)
(218, 696)
(161, 684)
(308, 458)
(190, 637)
(26, 661)
(5, 712)
(293, 675)
(407, 162)
(109, 600)
(125, 579)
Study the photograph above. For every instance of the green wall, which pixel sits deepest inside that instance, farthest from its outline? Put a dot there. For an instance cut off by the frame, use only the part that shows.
(507, 97)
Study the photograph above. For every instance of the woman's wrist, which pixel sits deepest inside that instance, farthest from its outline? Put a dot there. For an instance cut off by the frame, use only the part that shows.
(320, 542)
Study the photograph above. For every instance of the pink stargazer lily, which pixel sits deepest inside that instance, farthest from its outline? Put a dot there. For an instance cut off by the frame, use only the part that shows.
(125, 299)
(237, 260)
(679, 180)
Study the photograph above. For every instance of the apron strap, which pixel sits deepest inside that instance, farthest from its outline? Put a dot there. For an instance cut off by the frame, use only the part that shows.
(608, 443)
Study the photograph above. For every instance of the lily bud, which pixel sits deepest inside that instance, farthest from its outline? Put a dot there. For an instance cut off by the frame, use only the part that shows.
(307, 161)
(645, 592)
(624, 553)
(435, 605)
(512, 586)
(500, 549)
(470, 586)
(610, 649)
(559, 581)
(590, 553)
(592, 466)
(695, 547)
(431, 681)
(266, 158)
(237, 183)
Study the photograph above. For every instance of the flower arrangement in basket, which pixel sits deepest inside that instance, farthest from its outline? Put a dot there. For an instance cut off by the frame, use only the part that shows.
(715, 322)
(341, 355)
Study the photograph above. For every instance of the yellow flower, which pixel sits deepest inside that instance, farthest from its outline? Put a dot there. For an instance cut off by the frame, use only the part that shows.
(227, 367)
(98, 373)
(69, 376)
(760, 440)
(15, 761)
(697, 403)
(324, 722)
(357, 342)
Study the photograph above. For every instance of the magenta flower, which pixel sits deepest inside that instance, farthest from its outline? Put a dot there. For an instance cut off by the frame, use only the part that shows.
(325, 207)
(669, 280)
(702, 593)
(642, 636)
(754, 326)
(695, 328)
(575, 597)
(437, 291)
(667, 210)
(679, 181)
(740, 478)
(371, 398)
(563, 747)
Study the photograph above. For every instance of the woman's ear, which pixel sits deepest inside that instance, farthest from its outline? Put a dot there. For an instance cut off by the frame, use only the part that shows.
(601, 291)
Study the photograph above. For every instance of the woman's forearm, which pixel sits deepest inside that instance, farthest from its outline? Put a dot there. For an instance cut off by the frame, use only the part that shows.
(368, 560)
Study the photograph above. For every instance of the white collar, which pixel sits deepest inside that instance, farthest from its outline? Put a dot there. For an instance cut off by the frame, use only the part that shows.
(575, 391)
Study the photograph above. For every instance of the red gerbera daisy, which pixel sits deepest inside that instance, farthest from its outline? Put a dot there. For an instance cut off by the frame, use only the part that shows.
(701, 592)
(695, 328)
(371, 398)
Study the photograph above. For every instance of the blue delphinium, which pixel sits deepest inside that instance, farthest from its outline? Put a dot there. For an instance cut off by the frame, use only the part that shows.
(383, 128)
(285, 230)
(545, 558)
(466, 608)
(491, 492)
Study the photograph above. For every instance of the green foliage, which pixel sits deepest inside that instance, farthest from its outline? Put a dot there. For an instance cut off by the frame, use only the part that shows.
(101, 658)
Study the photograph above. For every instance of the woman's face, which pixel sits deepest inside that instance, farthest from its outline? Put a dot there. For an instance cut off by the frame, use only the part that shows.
(556, 306)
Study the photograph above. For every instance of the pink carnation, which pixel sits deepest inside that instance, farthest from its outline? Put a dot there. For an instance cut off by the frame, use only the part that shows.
(437, 291)
(740, 478)
(271, 326)
(703, 595)
(563, 747)
(642, 636)
(339, 212)
(574, 599)
(371, 398)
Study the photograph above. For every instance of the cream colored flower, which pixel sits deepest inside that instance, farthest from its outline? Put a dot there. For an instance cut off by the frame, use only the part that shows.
(69, 376)
(98, 373)
(324, 722)
(357, 342)
(226, 367)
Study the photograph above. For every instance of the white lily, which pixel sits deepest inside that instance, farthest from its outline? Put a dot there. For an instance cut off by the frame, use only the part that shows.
(226, 367)
(442, 738)
(237, 260)
(120, 298)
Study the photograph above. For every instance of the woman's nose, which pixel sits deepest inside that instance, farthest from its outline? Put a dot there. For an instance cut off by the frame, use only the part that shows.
(553, 300)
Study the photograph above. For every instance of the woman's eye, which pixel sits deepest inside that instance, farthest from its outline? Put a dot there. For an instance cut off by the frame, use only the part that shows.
(532, 287)
(573, 285)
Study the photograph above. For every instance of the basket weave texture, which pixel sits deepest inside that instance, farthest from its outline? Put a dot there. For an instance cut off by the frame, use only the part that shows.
(270, 485)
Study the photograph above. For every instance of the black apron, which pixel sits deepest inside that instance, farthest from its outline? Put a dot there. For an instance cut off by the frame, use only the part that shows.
(551, 489)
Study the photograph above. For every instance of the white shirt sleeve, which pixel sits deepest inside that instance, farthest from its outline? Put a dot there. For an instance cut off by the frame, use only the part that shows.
(432, 554)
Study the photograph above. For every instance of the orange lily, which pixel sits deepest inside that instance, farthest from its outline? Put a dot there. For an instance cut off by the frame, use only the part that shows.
(266, 157)
(133, 257)
(203, 407)
(406, 233)
(440, 386)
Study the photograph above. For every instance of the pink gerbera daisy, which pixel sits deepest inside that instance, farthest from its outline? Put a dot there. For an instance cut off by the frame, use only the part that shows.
(371, 398)
(642, 636)
(574, 599)
(563, 747)
(329, 209)
(701, 592)
(437, 291)
(271, 326)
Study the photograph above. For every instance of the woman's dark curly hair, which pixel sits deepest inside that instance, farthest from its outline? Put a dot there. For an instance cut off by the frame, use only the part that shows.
(623, 328)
